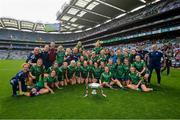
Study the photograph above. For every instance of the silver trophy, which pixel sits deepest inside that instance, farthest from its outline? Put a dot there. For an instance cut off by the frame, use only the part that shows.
(94, 87)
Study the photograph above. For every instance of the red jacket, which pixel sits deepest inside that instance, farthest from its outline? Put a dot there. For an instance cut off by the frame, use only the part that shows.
(52, 55)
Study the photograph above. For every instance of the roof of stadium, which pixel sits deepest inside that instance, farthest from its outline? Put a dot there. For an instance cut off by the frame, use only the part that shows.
(82, 15)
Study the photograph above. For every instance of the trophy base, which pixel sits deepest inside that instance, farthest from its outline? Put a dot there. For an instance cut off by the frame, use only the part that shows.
(93, 92)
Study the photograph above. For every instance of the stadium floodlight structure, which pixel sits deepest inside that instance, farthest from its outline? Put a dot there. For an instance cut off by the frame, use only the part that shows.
(10, 23)
(92, 13)
(81, 15)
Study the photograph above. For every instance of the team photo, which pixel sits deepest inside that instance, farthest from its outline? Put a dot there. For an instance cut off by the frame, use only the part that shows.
(89, 59)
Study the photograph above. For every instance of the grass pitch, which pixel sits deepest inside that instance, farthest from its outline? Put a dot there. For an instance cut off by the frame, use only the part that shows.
(70, 103)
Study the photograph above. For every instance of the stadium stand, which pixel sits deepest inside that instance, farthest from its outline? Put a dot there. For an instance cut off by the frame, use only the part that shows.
(13, 54)
(137, 21)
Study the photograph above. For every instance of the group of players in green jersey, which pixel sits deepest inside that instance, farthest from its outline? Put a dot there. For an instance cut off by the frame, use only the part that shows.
(122, 69)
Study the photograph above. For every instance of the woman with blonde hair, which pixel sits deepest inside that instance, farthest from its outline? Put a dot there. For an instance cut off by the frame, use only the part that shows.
(45, 85)
(62, 74)
(85, 73)
(68, 55)
(78, 72)
(60, 55)
(97, 47)
(71, 72)
(18, 82)
(136, 81)
(37, 70)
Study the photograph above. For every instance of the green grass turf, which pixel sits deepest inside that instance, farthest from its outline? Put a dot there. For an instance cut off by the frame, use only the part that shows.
(69, 102)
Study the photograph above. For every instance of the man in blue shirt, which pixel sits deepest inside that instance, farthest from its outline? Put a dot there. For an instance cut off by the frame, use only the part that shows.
(113, 56)
(33, 56)
(75, 55)
(18, 82)
(155, 63)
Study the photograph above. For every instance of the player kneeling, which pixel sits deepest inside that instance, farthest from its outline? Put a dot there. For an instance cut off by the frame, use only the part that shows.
(136, 81)
(19, 81)
(85, 73)
(71, 72)
(78, 73)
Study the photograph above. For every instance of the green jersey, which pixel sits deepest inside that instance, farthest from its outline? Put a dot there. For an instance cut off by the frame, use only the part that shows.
(60, 57)
(71, 71)
(60, 74)
(134, 78)
(97, 72)
(50, 69)
(102, 69)
(120, 57)
(139, 65)
(37, 71)
(64, 72)
(106, 77)
(119, 71)
(127, 56)
(85, 57)
(84, 71)
(91, 71)
(49, 79)
(97, 50)
(102, 58)
(94, 59)
(112, 69)
(40, 84)
(82, 62)
(126, 69)
(78, 71)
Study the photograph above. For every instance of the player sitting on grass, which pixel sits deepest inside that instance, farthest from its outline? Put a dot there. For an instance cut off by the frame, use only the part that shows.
(45, 85)
(112, 69)
(141, 68)
(51, 79)
(18, 82)
(106, 78)
(136, 81)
